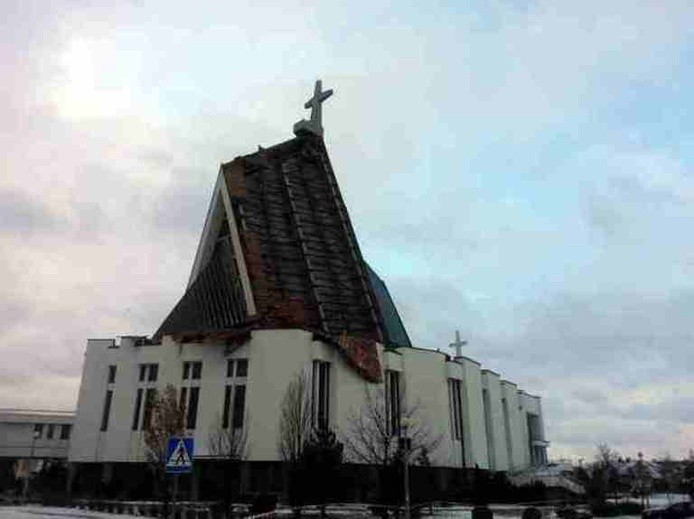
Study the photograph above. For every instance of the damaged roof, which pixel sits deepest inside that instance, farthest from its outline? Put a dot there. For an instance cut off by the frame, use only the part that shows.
(279, 251)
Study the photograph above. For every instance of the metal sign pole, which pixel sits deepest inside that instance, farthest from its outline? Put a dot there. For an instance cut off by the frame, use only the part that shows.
(179, 459)
(174, 496)
(407, 484)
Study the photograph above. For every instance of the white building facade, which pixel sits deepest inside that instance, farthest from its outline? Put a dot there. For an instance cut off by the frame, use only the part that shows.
(279, 287)
(499, 427)
(35, 433)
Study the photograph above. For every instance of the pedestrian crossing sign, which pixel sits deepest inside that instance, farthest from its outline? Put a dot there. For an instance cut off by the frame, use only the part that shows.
(179, 455)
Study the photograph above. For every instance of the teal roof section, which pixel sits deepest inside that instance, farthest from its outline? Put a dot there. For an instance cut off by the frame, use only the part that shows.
(395, 333)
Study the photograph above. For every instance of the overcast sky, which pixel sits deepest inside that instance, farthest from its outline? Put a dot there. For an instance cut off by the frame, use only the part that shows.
(521, 172)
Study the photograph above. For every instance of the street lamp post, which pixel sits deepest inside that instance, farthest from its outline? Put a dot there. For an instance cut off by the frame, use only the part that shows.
(35, 436)
(405, 446)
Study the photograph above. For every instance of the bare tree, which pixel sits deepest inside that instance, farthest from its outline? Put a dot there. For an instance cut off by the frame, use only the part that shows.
(229, 442)
(164, 416)
(605, 457)
(165, 420)
(295, 419)
(643, 480)
(370, 437)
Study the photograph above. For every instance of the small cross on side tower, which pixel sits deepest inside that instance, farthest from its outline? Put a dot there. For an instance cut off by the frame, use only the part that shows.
(315, 124)
(458, 344)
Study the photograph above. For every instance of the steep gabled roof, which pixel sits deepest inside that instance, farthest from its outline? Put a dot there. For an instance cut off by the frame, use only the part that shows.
(394, 329)
(214, 301)
(278, 251)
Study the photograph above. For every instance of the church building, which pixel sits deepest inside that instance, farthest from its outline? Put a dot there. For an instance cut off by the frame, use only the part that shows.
(279, 287)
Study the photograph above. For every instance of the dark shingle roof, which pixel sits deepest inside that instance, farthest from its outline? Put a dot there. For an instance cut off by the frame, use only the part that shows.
(303, 261)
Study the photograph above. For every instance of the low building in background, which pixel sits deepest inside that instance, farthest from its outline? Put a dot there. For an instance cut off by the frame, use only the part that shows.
(31, 437)
(35, 433)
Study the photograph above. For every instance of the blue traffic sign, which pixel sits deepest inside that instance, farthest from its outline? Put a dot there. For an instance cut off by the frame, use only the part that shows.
(179, 455)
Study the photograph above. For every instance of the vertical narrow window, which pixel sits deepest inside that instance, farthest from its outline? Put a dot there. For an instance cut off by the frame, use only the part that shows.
(507, 428)
(456, 405)
(186, 370)
(182, 401)
(225, 410)
(326, 395)
(136, 412)
(230, 368)
(393, 402)
(239, 404)
(111, 374)
(192, 416)
(314, 392)
(65, 431)
(106, 410)
(38, 430)
(242, 368)
(150, 395)
(321, 393)
(488, 429)
(196, 371)
(153, 372)
(50, 431)
(456, 408)
(143, 371)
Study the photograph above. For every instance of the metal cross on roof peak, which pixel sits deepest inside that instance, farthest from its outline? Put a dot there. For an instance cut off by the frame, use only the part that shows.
(458, 344)
(315, 124)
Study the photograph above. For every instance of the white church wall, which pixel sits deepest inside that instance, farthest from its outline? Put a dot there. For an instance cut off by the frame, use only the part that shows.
(516, 423)
(393, 360)
(426, 390)
(349, 389)
(455, 447)
(499, 460)
(476, 438)
(90, 400)
(523, 429)
(274, 358)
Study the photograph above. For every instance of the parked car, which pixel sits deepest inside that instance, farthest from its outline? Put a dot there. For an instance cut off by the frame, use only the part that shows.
(675, 511)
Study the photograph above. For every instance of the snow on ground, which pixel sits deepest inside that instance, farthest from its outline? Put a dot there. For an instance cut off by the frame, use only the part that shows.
(347, 510)
(35, 512)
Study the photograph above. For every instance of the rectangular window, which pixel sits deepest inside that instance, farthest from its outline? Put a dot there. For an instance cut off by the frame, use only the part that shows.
(153, 372)
(393, 402)
(111, 374)
(150, 395)
(239, 404)
(50, 431)
(225, 409)
(242, 368)
(143, 371)
(136, 412)
(192, 415)
(488, 429)
(230, 368)
(321, 394)
(456, 408)
(186, 370)
(65, 432)
(507, 429)
(106, 410)
(196, 370)
(182, 399)
(38, 430)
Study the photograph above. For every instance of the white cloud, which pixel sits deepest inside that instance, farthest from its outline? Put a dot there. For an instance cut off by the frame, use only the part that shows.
(116, 118)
